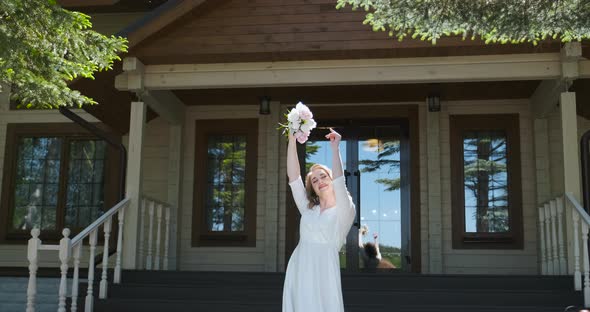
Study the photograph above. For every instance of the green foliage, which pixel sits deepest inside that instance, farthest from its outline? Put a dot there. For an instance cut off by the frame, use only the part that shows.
(44, 47)
(497, 21)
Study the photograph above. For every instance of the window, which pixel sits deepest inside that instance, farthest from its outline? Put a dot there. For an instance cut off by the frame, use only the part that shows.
(224, 212)
(486, 183)
(55, 176)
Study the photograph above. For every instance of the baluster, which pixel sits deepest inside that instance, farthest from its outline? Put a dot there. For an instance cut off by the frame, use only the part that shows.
(141, 243)
(560, 238)
(542, 239)
(121, 216)
(102, 294)
(548, 244)
(553, 208)
(150, 236)
(89, 307)
(577, 273)
(167, 239)
(76, 280)
(158, 237)
(33, 257)
(64, 257)
(586, 265)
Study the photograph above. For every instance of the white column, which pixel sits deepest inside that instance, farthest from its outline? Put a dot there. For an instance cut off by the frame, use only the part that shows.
(148, 258)
(434, 192)
(571, 156)
(141, 244)
(76, 280)
(64, 258)
(554, 245)
(89, 304)
(577, 273)
(158, 237)
(166, 264)
(542, 254)
(175, 176)
(102, 294)
(560, 238)
(117, 274)
(548, 242)
(33, 257)
(134, 183)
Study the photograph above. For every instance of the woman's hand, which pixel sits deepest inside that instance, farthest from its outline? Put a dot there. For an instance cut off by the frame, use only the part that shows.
(334, 138)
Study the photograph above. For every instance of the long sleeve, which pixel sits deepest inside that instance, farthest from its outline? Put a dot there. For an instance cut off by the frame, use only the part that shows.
(346, 209)
(298, 190)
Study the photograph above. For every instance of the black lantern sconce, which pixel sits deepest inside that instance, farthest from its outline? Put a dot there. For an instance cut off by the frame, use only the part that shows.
(264, 105)
(433, 101)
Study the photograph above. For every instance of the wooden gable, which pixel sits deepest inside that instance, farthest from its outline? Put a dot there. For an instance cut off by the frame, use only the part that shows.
(283, 30)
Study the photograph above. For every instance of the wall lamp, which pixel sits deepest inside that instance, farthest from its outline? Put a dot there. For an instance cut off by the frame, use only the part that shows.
(433, 101)
(264, 105)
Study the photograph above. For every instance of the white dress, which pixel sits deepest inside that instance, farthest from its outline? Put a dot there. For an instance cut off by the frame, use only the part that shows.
(312, 282)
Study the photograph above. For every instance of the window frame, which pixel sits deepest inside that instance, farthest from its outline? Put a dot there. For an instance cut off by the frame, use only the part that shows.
(70, 132)
(509, 124)
(200, 236)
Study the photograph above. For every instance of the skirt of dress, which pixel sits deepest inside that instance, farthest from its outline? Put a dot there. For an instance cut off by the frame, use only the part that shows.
(312, 281)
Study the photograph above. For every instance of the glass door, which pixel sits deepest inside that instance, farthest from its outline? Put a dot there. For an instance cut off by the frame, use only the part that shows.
(375, 163)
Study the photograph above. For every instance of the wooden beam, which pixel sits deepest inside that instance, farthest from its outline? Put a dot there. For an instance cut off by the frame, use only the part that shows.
(168, 15)
(165, 104)
(354, 72)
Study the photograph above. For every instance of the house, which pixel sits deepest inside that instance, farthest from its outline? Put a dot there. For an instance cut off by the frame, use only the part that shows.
(452, 151)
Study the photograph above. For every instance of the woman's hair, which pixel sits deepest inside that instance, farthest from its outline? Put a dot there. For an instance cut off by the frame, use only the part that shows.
(311, 195)
(371, 250)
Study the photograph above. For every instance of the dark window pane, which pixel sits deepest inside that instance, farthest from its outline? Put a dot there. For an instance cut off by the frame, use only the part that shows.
(35, 193)
(226, 172)
(485, 182)
(85, 189)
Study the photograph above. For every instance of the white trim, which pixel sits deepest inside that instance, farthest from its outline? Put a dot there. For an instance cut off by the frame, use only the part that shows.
(536, 66)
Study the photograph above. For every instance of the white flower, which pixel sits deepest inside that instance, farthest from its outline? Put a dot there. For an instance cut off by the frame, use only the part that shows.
(308, 125)
(304, 111)
(293, 115)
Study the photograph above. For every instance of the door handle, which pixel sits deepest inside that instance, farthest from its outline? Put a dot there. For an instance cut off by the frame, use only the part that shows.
(357, 174)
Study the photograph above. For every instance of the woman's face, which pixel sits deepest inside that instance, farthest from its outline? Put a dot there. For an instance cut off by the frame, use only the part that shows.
(321, 182)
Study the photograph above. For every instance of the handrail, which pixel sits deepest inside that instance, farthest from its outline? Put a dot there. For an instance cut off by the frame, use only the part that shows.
(157, 201)
(98, 222)
(578, 207)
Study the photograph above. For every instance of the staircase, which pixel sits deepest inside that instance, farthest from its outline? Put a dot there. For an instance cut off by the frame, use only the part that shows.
(13, 294)
(262, 292)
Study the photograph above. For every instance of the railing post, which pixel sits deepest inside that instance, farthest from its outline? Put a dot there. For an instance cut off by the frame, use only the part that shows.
(167, 239)
(586, 265)
(577, 273)
(560, 238)
(64, 257)
(141, 243)
(150, 236)
(89, 307)
(121, 216)
(75, 281)
(548, 241)
(554, 237)
(158, 237)
(33, 257)
(102, 294)
(542, 239)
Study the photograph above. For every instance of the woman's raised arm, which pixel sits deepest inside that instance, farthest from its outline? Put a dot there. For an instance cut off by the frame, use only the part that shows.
(293, 170)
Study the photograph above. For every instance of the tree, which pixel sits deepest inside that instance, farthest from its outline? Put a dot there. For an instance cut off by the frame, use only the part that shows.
(43, 47)
(503, 21)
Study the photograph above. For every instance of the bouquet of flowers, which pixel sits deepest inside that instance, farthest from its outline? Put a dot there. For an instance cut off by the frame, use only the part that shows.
(299, 123)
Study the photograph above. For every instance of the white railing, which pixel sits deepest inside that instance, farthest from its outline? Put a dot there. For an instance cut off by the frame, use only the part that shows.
(71, 248)
(150, 251)
(553, 247)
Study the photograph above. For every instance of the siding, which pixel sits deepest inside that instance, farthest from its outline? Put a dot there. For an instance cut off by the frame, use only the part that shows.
(459, 261)
(226, 258)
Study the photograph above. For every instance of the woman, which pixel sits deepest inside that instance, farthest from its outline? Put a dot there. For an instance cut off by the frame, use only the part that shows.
(312, 282)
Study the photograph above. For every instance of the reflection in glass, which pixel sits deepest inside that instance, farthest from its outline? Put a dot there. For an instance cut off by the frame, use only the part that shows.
(379, 164)
(85, 186)
(485, 182)
(38, 163)
(226, 175)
